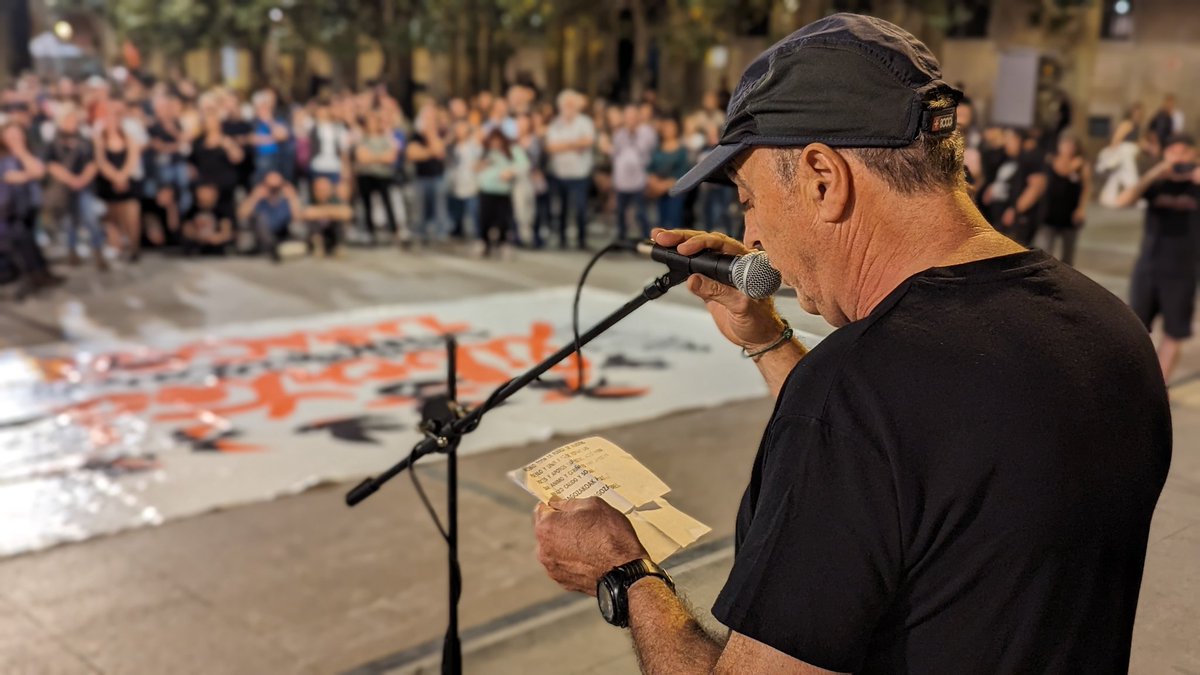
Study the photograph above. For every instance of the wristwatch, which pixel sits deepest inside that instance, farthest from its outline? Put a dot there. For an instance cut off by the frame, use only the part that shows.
(613, 588)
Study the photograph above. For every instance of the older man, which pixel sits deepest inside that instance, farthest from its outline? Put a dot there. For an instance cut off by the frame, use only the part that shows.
(960, 478)
(569, 141)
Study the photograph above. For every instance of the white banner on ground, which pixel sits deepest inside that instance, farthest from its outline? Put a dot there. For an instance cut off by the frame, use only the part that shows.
(102, 437)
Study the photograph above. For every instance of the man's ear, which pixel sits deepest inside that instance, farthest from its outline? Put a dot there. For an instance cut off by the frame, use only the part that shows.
(827, 181)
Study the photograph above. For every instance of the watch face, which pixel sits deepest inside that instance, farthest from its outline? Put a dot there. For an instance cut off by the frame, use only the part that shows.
(604, 596)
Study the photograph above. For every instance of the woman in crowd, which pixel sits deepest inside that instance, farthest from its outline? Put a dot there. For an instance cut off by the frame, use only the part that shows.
(530, 185)
(668, 163)
(1069, 182)
(117, 160)
(502, 164)
(374, 168)
(215, 156)
(329, 145)
(463, 199)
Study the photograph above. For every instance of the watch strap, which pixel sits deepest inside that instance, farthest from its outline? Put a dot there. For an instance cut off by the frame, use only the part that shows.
(622, 577)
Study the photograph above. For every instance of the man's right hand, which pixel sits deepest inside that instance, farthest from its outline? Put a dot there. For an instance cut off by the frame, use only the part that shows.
(746, 322)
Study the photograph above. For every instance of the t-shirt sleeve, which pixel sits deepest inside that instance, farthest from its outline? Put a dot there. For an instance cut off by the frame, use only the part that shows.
(821, 559)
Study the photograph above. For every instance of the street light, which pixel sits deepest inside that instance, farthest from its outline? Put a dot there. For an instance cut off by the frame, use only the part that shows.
(63, 30)
(275, 14)
(1122, 7)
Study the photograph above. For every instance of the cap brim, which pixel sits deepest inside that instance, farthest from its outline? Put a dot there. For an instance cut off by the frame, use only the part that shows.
(712, 168)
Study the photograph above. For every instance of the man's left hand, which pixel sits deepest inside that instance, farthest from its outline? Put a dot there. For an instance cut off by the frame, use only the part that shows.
(580, 540)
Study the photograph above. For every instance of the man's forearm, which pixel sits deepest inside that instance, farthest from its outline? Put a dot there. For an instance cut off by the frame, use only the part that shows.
(668, 639)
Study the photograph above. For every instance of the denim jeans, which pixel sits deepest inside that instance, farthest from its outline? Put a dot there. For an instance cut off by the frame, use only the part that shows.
(81, 212)
(460, 209)
(638, 200)
(670, 212)
(430, 220)
(573, 191)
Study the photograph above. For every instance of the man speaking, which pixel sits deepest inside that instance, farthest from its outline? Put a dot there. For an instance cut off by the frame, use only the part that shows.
(960, 478)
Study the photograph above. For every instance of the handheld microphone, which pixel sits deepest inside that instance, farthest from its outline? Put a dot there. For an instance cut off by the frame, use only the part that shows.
(751, 274)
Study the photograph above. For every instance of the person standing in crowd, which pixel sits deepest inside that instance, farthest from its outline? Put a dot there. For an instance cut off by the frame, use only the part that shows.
(329, 145)
(499, 118)
(524, 195)
(631, 148)
(503, 163)
(1164, 277)
(269, 137)
(531, 133)
(668, 163)
(241, 130)
(1168, 121)
(569, 142)
(18, 171)
(271, 207)
(463, 200)
(325, 217)
(1015, 190)
(167, 169)
(72, 170)
(427, 152)
(972, 141)
(216, 156)
(1118, 162)
(375, 165)
(1068, 185)
(117, 160)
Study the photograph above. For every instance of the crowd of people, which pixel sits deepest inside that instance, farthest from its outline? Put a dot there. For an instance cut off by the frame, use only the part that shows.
(137, 163)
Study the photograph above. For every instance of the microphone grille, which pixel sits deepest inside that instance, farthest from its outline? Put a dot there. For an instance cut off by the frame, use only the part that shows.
(754, 276)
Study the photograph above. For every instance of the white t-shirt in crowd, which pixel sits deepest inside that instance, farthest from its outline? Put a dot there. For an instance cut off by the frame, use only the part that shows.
(571, 163)
(331, 143)
(464, 180)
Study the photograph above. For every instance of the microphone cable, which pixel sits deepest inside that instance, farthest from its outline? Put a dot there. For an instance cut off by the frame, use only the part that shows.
(615, 246)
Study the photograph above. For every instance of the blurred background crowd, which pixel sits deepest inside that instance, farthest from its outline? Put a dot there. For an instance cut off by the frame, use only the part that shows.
(285, 129)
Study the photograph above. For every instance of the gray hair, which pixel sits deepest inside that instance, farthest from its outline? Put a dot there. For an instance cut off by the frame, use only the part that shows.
(929, 163)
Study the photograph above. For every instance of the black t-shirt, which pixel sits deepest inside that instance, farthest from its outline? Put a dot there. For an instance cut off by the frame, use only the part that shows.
(1169, 239)
(429, 168)
(213, 165)
(72, 151)
(1011, 178)
(171, 136)
(961, 482)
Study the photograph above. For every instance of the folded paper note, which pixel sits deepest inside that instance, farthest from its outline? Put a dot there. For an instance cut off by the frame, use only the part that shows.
(595, 467)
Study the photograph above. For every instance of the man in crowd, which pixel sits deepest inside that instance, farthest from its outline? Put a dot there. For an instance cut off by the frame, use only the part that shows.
(327, 215)
(1015, 190)
(1168, 121)
(922, 502)
(1164, 278)
(271, 208)
(72, 169)
(569, 142)
(207, 229)
(631, 147)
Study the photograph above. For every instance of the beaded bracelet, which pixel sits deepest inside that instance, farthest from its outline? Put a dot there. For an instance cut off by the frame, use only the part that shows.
(785, 337)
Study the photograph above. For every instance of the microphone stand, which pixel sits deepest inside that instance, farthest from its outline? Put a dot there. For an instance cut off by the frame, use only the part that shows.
(445, 422)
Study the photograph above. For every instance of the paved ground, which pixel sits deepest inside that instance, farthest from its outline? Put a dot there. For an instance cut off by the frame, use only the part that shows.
(304, 585)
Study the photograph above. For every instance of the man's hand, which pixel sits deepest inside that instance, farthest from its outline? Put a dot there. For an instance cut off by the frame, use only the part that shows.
(1010, 217)
(580, 540)
(748, 323)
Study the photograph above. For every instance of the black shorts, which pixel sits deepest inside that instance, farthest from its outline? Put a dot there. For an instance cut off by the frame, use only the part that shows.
(1172, 297)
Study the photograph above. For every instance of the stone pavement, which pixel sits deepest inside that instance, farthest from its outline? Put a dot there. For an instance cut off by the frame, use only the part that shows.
(304, 585)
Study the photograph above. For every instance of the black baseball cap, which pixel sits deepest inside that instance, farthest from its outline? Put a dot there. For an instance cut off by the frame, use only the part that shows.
(847, 80)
